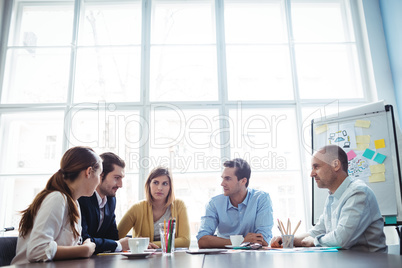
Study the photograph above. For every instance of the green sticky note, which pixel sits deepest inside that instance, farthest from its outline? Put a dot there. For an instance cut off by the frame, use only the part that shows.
(379, 158)
(390, 219)
(368, 153)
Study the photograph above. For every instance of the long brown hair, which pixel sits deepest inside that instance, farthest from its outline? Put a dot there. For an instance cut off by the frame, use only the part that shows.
(74, 161)
(157, 172)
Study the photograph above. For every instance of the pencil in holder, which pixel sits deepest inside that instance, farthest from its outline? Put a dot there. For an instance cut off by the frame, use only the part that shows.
(167, 233)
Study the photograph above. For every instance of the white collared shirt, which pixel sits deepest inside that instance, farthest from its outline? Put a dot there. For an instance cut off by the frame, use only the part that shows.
(51, 228)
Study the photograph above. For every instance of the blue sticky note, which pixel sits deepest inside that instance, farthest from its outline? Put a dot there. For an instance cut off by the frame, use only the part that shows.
(390, 219)
(368, 154)
(379, 158)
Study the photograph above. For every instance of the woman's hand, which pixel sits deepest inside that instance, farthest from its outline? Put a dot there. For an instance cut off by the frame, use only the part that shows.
(89, 248)
(152, 245)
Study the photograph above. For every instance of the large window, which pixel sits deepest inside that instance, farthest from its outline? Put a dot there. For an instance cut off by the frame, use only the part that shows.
(184, 83)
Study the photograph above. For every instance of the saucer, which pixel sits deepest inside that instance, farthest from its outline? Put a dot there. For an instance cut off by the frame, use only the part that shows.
(137, 255)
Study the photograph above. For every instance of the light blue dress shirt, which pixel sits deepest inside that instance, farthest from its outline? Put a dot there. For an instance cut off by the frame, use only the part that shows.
(351, 219)
(253, 215)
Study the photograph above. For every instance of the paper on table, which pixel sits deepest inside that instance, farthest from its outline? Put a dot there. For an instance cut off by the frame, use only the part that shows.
(304, 249)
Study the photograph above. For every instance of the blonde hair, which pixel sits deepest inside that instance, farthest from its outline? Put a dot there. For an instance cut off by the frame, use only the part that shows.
(157, 172)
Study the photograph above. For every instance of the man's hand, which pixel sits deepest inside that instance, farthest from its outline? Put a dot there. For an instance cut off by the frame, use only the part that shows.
(308, 242)
(255, 238)
(124, 244)
(276, 242)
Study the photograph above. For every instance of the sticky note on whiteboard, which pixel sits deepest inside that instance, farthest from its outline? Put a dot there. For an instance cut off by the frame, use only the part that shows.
(362, 146)
(379, 144)
(351, 154)
(377, 177)
(379, 158)
(363, 139)
(362, 123)
(368, 153)
(321, 129)
(377, 168)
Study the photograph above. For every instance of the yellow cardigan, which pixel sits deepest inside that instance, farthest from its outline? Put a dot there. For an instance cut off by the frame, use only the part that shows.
(140, 218)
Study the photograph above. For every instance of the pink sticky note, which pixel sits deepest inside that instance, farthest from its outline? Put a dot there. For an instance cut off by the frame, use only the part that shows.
(351, 154)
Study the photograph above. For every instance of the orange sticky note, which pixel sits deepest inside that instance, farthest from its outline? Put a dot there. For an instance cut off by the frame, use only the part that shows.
(379, 144)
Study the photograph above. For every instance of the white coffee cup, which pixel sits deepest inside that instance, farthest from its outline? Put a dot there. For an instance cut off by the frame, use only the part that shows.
(236, 240)
(138, 244)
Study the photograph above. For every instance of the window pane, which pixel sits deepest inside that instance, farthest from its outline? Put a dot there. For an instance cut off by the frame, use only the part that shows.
(31, 142)
(36, 75)
(42, 25)
(107, 130)
(128, 195)
(259, 73)
(111, 74)
(286, 192)
(185, 140)
(112, 23)
(253, 22)
(196, 189)
(183, 73)
(266, 138)
(18, 193)
(183, 22)
(328, 72)
(321, 22)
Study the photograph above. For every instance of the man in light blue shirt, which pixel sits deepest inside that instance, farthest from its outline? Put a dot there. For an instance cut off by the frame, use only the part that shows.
(238, 211)
(351, 217)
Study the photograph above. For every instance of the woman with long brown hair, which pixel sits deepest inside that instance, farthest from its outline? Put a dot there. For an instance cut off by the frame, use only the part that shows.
(50, 228)
(160, 204)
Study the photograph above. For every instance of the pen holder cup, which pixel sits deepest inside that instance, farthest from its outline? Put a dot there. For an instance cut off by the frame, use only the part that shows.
(287, 241)
(167, 234)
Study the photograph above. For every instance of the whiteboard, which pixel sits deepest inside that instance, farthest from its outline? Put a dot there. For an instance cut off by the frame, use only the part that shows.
(344, 130)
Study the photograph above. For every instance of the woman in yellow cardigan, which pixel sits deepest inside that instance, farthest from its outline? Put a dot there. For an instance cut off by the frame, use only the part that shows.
(160, 204)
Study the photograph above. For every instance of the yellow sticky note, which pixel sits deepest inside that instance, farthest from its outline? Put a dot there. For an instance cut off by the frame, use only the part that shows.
(377, 177)
(379, 144)
(362, 123)
(361, 146)
(363, 139)
(321, 129)
(377, 168)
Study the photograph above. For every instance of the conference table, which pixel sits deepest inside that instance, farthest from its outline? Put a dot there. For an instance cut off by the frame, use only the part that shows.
(233, 259)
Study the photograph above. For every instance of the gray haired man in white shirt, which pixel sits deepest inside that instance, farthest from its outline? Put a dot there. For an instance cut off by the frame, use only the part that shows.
(351, 217)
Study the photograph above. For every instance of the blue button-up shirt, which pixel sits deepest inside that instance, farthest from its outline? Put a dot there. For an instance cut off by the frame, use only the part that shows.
(351, 219)
(253, 215)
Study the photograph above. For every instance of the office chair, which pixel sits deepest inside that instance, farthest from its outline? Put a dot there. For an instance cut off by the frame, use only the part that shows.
(8, 245)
